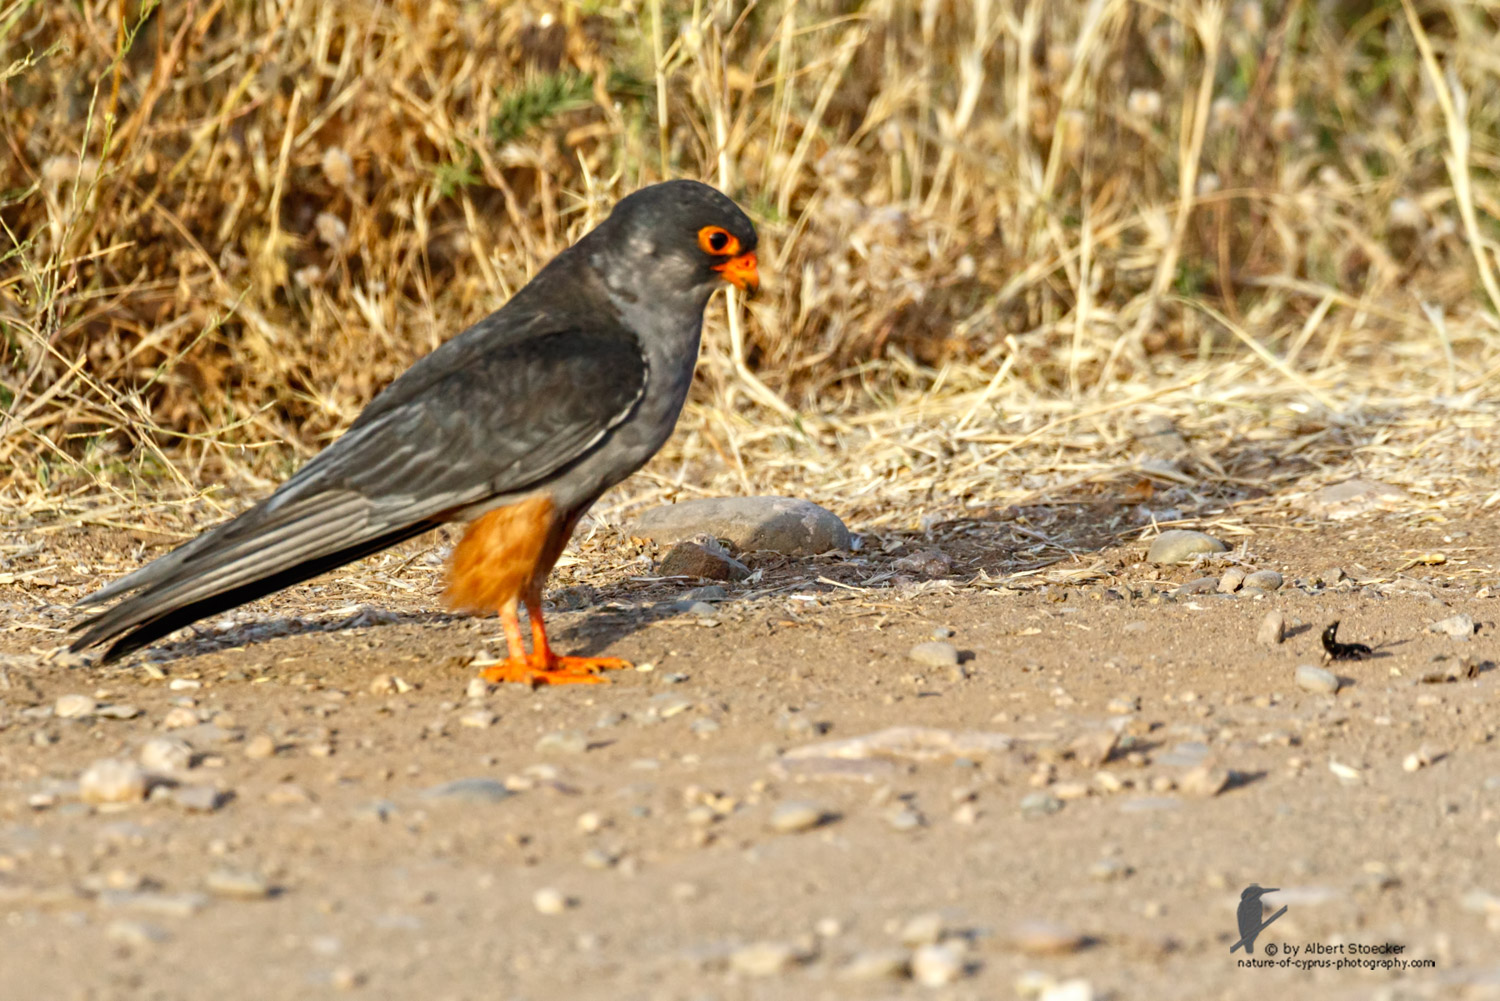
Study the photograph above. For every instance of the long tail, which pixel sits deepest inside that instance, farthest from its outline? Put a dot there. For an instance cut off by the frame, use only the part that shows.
(256, 554)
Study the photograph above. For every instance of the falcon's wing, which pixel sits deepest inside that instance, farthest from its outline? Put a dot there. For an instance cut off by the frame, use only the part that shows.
(471, 421)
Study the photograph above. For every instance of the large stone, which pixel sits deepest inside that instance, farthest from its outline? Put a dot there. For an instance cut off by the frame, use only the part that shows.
(775, 524)
(1178, 545)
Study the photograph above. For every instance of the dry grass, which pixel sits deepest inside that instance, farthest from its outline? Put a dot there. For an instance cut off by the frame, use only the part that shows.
(997, 235)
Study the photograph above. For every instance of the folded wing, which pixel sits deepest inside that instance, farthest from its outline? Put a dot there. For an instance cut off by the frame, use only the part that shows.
(468, 423)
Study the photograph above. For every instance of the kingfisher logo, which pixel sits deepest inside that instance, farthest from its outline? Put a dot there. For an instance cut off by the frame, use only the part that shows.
(1248, 915)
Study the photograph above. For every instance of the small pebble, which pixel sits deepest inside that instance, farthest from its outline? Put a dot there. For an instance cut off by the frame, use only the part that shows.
(1039, 804)
(475, 790)
(1231, 581)
(563, 742)
(1317, 679)
(764, 959)
(1044, 938)
(934, 653)
(74, 707)
(550, 900)
(888, 964)
(260, 746)
(137, 934)
(1460, 627)
(1265, 580)
(165, 755)
(936, 965)
(924, 929)
(178, 718)
(904, 818)
(111, 780)
(117, 712)
(796, 816)
(1421, 758)
(477, 688)
(1069, 990)
(1108, 870)
(1205, 781)
(197, 798)
(237, 884)
(1272, 629)
(478, 719)
(346, 978)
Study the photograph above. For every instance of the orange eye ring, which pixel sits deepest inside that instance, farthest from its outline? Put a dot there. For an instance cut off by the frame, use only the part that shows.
(718, 241)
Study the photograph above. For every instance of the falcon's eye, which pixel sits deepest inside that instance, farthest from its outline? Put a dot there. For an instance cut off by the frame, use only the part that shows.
(717, 241)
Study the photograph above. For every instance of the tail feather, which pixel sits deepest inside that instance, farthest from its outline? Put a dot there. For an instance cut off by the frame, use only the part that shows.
(192, 592)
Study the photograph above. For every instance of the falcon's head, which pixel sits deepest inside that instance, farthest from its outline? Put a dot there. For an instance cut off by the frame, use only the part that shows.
(679, 236)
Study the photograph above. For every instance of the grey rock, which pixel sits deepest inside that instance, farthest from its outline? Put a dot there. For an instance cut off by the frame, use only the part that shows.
(1266, 580)
(1202, 585)
(1460, 627)
(473, 790)
(1317, 679)
(703, 559)
(1272, 629)
(778, 524)
(1178, 545)
(934, 653)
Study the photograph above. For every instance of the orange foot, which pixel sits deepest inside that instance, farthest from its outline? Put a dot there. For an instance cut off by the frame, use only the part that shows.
(554, 670)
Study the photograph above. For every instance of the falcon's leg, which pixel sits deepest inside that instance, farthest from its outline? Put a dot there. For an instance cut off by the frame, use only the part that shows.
(565, 670)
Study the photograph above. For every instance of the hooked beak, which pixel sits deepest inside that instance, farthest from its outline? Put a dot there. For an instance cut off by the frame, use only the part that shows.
(740, 272)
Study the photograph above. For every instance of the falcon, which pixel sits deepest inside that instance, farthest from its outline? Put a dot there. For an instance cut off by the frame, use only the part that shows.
(516, 426)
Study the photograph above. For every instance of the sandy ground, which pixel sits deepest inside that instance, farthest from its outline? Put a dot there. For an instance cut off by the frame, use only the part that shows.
(641, 810)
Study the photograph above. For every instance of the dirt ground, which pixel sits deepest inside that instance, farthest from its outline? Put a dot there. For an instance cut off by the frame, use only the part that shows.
(635, 856)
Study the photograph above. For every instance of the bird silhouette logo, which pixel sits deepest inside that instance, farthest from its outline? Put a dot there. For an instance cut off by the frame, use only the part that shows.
(1248, 915)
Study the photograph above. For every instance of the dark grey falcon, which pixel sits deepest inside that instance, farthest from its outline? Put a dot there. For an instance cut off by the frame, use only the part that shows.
(517, 425)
